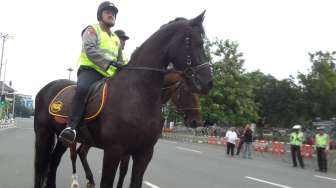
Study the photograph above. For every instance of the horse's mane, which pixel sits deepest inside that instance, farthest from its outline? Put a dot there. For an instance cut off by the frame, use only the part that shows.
(178, 20)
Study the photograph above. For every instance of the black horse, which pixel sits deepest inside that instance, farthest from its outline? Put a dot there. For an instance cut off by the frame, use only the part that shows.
(185, 102)
(130, 122)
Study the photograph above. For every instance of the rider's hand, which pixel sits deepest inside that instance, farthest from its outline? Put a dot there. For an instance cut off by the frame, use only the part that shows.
(116, 64)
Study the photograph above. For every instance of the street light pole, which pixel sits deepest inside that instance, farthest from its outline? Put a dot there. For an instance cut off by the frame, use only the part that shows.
(70, 70)
(13, 105)
(4, 79)
(4, 38)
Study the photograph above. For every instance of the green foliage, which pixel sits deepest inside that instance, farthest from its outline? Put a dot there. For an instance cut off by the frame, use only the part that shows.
(279, 102)
(319, 85)
(239, 97)
(231, 99)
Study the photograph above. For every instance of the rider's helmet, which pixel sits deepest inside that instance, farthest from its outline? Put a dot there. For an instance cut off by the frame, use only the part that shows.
(106, 5)
(121, 34)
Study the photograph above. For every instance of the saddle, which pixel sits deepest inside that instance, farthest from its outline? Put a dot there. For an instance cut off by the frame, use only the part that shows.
(60, 107)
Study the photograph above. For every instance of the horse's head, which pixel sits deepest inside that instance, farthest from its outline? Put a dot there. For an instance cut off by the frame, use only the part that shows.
(188, 104)
(186, 52)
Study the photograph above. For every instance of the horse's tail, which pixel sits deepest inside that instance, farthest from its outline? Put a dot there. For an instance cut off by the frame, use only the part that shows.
(44, 141)
(45, 129)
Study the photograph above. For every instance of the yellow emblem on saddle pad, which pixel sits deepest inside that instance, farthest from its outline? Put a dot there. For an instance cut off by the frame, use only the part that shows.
(56, 106)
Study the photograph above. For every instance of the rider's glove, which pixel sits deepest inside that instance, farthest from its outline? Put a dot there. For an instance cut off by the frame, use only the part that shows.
(116, 64)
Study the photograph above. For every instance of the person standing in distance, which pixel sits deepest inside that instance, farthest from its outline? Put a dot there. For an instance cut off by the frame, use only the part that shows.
(322, 146)
(296, 139)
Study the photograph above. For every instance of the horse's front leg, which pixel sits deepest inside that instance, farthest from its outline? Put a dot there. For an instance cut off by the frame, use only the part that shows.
(140, 163)
(111, 160)
(73, 156)
(82, 152)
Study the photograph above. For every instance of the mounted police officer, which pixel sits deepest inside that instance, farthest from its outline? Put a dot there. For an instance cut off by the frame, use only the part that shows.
(296, 139)
(101, 56)
(123, 38)
(322, 143)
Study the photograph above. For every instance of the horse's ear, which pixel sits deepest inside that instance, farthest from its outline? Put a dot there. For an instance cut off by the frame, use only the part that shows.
(198, 20)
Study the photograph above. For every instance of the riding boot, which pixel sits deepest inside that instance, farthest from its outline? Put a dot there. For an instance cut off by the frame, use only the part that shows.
(85, 78)
(68, 135)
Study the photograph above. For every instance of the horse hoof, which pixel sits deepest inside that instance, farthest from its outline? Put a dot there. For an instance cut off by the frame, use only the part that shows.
(75, 184)
(89, 185)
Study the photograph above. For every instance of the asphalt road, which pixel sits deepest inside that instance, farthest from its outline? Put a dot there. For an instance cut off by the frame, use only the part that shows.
(174, 164)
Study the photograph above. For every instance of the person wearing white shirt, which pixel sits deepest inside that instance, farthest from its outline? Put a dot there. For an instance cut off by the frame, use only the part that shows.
(231, 136)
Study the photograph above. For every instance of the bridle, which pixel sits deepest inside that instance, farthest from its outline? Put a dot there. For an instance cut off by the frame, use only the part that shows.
(189, 72)
(179, 90)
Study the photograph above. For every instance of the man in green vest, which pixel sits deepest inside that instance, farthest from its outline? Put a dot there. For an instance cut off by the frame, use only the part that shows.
(101, 56)
(321, 143)
(123, 38)
(296, 139)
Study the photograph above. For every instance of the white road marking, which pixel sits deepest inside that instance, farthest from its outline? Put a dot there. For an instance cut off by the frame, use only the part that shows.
(170, 141)
(187, 149)
(323, 177)
(268, 182)
(25, 128)
(149, 184)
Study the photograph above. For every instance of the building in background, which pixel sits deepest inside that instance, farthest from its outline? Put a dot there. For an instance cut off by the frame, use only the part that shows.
(14, 104)
(26, 100)
(7, 89)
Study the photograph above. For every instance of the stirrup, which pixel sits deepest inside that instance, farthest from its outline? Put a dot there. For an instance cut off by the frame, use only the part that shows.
(66, 140)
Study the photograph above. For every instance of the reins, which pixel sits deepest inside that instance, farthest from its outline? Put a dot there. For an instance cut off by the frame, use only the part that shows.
(186, 71)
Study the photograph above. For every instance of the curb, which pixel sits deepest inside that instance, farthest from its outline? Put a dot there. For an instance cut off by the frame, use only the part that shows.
(7, 125)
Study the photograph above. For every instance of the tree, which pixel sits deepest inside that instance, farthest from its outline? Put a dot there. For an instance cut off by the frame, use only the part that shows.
(279, 101)
(231, 99)
(319, 85)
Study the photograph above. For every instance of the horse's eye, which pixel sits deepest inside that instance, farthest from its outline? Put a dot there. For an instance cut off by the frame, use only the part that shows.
(199, 44)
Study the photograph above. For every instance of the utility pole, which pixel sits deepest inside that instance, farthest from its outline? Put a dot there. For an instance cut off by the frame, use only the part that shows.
(70, 70)
(4, 78)
(4, 37)
(13, 112)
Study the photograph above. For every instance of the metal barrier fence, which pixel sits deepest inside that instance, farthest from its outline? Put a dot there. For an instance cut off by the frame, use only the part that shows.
(261, 148)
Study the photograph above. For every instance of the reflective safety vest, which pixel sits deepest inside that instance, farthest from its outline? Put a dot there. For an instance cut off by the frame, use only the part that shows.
(296, 138)
(125, 59)
(321, 140)
(109, 45)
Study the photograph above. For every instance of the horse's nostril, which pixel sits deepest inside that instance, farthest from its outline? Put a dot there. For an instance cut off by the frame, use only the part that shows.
(210, 85)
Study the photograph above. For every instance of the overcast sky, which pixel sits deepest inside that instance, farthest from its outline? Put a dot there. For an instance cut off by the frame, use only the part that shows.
(274, 35)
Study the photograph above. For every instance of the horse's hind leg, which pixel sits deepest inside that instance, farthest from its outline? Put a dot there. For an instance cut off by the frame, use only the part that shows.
(82, 152)
(110, 165)
(140, 163)
(55, 160)
(44, 143)
(123, 170)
